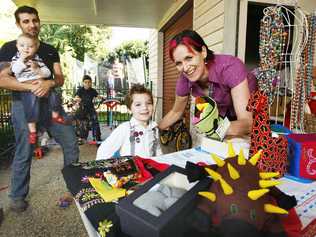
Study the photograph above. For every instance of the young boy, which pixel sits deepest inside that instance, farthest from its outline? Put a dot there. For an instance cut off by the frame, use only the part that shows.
(85, 96)
(27, 66)
(139, 136)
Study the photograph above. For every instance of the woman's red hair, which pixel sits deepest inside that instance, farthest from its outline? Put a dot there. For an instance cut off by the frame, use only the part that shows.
(186, 41)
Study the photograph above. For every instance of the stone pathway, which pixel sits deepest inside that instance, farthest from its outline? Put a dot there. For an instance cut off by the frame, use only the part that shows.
(44, 217)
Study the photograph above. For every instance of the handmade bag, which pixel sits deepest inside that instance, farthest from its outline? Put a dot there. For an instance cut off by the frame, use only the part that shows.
(206, 117)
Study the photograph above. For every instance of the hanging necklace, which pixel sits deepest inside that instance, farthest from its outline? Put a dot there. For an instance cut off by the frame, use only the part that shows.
(303, 80)
(271, 49)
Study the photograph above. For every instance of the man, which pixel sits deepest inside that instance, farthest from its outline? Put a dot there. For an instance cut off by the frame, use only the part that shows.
(85, 96)
(28, 21)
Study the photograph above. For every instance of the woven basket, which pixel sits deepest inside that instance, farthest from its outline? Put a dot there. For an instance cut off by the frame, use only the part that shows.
(310, 123)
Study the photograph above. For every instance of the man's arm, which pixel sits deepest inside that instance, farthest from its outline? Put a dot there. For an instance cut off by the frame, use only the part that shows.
(43, 86)
(58, 75)
(7, 81)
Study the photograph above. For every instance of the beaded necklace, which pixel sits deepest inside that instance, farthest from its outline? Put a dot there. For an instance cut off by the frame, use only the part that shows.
(271, 48)
(272, 58)
(303, 80)
(310, 50)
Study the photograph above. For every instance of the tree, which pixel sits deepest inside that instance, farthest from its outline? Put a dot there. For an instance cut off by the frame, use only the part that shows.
(78, 39)
(132, 49)
(129, 49)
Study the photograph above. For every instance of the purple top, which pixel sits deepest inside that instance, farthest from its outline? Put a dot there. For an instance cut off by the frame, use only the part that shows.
(225, 72)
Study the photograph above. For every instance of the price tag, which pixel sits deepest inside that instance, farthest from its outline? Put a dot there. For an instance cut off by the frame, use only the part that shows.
(222, 128)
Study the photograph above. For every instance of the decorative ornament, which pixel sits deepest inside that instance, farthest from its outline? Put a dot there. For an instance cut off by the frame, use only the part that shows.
(85, 179)
(274, 149)
(207, 120)
(238, 194)
(271, 50)
(104, 227)
(303, 81)
(137, 135)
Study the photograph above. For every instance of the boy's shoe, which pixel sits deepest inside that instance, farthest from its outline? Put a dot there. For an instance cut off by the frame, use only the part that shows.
(98, 139)
(32, 137)
(19, 205)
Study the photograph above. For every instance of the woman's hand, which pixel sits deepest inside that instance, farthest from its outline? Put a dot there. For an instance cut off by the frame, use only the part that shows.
(175, 113)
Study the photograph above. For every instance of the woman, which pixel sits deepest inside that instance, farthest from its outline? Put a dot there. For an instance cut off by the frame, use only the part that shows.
(222, 77)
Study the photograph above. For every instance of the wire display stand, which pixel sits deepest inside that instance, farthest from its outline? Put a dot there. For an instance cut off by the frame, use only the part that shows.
(285, 71)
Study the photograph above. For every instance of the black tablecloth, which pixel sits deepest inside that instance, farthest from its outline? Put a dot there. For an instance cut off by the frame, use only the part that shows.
(94, 207)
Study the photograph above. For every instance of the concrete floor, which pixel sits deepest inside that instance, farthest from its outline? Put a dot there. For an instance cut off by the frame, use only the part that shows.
(44, 217)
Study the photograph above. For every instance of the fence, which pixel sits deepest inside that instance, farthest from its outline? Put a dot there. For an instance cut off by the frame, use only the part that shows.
(6, 128)
(106, 114)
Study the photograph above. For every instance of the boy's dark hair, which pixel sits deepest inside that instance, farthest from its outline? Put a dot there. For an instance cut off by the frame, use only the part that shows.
(137, 89)
(86, 77)
(191, 39)
(24, 9)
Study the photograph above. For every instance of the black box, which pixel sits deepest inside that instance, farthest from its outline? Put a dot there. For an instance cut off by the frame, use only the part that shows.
(137, 222)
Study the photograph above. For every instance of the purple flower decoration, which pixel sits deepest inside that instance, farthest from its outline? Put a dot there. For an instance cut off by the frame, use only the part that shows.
(85, 179)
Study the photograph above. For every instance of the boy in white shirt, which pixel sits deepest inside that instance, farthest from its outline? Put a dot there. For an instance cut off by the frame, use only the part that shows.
(139, 136)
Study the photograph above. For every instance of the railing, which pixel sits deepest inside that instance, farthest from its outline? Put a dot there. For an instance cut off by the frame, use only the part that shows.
(6, 128)
(110, 116)
(106, 114)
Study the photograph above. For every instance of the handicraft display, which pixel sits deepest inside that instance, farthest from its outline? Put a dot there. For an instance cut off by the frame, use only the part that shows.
(271, 48)
(286, 49)
(242, 197)
(274, 149)
(96, 193)
(207, 120)
(304, 78)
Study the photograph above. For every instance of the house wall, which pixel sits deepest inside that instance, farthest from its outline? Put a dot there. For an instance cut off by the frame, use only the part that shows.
(307, 5)
(208, 21)
(155, 70)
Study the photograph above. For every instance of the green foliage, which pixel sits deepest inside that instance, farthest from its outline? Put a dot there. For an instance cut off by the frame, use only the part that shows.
(132, 49)
(78, 39)
(110, 57)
